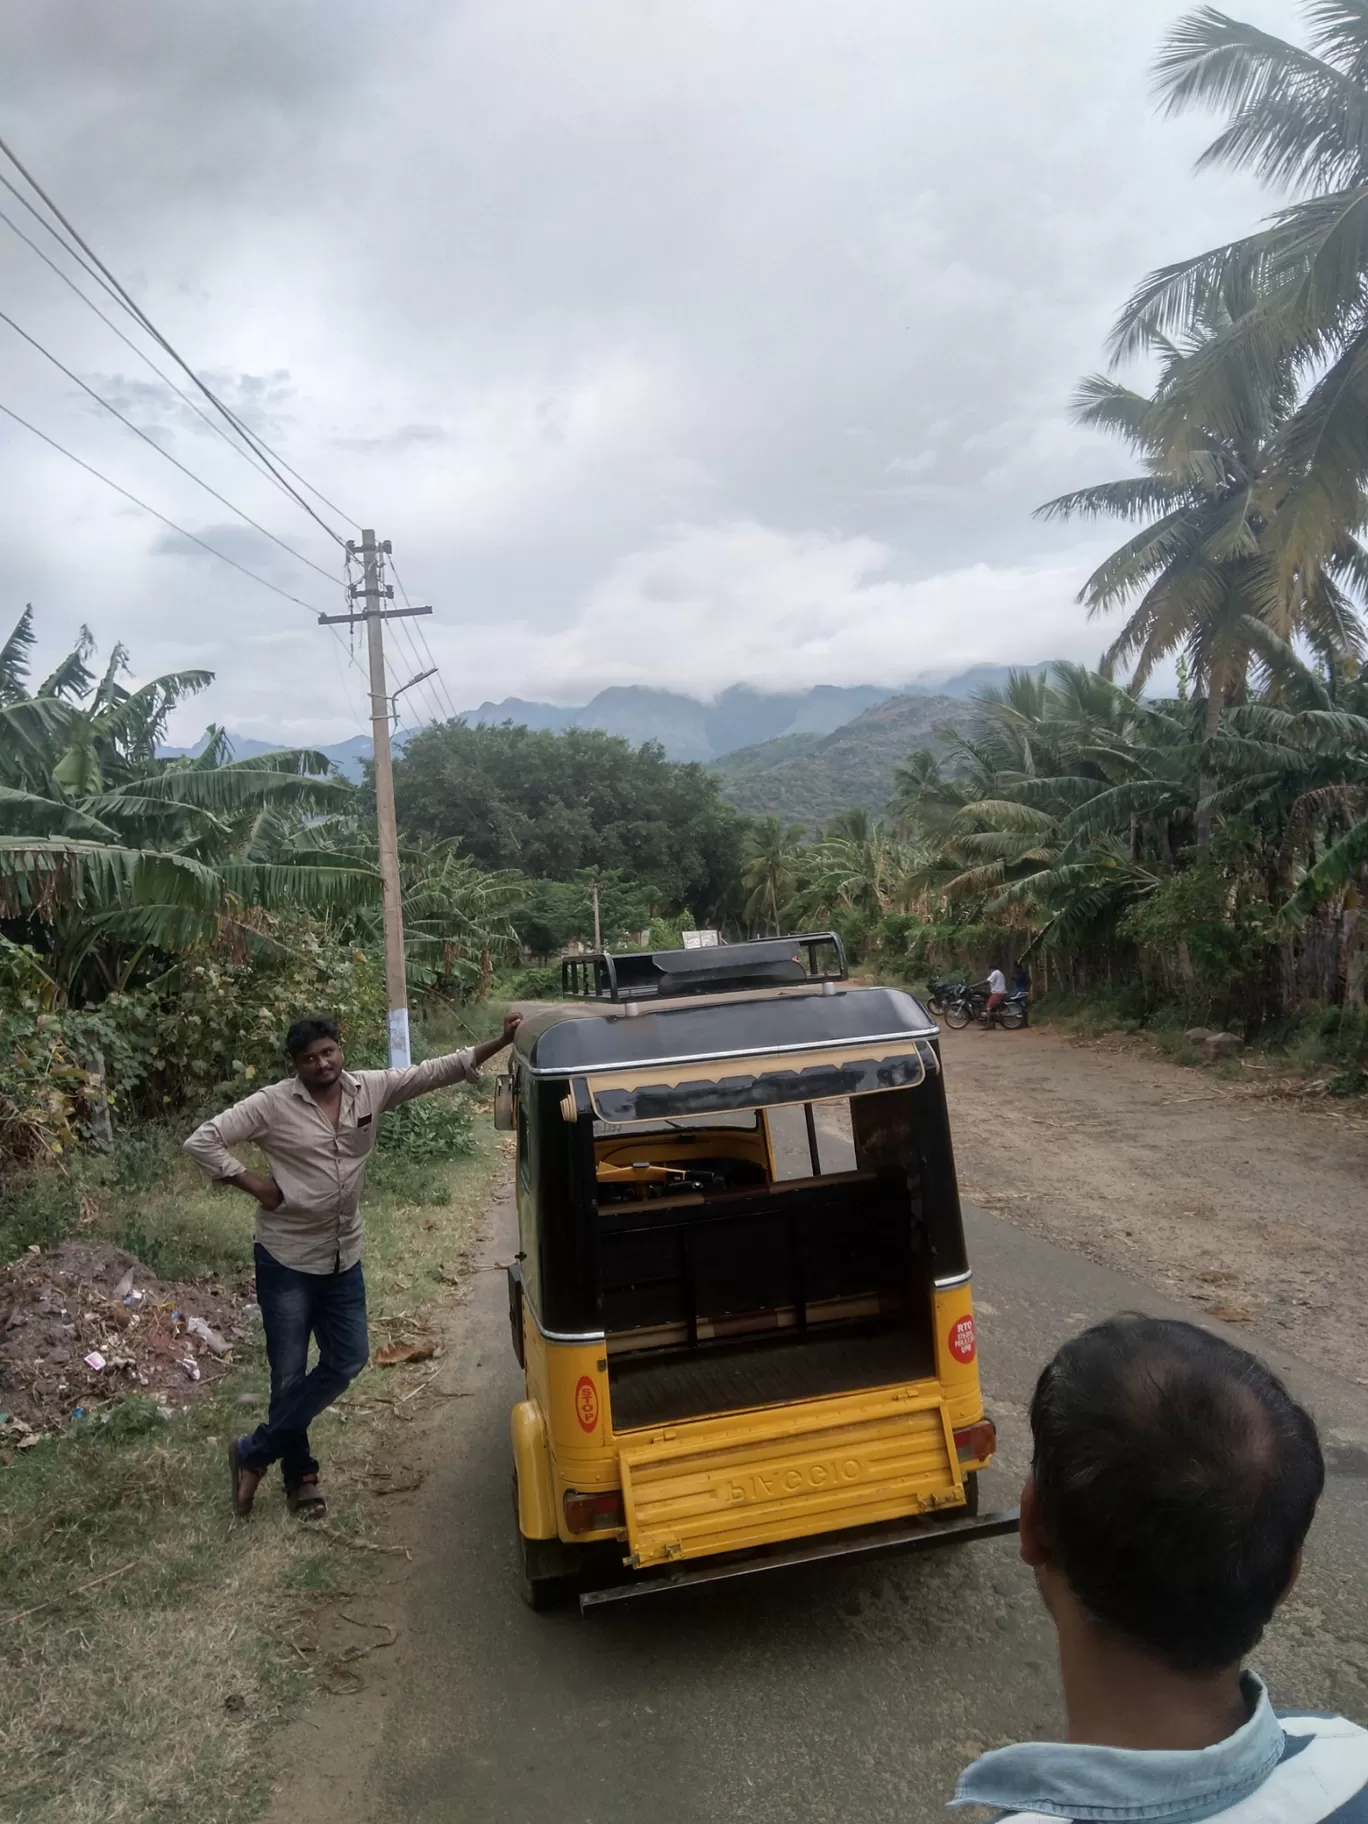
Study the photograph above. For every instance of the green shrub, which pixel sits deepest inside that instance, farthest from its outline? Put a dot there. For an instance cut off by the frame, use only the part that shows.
(41, 1205)
(143, 1158)
(531, 984)
(208, 1035)
(429, 1129)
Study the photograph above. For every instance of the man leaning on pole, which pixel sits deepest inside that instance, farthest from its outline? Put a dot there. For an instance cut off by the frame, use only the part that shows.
(317, 1128)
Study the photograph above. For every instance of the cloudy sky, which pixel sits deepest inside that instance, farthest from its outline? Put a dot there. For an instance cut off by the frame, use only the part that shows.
(674, 341)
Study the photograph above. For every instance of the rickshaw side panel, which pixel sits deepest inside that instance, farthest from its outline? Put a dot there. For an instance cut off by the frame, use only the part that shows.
(536, 1487)
(567, 1385)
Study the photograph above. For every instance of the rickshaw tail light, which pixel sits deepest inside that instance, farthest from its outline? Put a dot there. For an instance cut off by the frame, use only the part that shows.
(594, 1513)
(976, 1442)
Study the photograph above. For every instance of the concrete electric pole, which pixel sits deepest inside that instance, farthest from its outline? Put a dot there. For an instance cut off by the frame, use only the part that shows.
(374, 592)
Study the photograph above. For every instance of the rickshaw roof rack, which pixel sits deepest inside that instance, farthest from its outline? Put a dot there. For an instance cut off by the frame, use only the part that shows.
(809, 959)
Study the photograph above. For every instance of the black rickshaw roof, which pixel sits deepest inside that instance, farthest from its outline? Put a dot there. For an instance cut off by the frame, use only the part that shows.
(575, 1038)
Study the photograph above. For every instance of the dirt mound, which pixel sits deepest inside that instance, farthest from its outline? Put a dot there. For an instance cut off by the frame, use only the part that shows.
(83, 1323)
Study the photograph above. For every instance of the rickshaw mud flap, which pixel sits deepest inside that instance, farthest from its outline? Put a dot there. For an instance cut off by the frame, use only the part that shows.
(910, 1536)
(735, 1485)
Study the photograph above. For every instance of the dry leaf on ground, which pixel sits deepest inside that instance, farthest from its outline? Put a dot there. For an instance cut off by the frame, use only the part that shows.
(391, 1356)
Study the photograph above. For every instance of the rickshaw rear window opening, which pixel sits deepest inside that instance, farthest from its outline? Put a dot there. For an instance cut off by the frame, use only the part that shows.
(778, 1289)
(693, 1097)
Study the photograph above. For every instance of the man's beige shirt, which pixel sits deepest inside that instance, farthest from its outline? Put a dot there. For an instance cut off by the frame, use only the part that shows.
(319, 1168)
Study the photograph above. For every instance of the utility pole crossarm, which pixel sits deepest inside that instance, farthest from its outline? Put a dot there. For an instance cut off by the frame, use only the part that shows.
(383, 614)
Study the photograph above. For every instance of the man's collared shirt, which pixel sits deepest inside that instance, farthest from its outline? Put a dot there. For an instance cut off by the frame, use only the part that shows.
(319, 1168)
(1293, 1768)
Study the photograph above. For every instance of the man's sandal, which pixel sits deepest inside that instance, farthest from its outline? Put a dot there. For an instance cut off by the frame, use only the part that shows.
(305, 1500)
(237, 1469)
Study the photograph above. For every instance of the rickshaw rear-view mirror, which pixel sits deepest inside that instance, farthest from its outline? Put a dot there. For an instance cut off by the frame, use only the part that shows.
(503, 1102)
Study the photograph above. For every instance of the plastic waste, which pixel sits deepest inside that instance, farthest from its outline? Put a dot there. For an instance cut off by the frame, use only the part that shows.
(207, 1334)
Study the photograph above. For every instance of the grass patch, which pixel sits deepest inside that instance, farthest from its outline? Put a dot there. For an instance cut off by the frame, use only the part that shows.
(1327, 1044)
(149, 1695)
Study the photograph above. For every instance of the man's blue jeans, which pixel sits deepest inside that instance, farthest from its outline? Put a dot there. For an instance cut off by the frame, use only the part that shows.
(294, 1306)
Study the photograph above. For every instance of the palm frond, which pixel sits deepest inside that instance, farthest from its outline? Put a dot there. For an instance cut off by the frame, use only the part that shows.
(1293, 116)
(14, 657)
(1334, 871)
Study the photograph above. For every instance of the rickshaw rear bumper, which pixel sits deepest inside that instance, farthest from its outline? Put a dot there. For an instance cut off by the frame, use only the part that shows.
(868, 1542)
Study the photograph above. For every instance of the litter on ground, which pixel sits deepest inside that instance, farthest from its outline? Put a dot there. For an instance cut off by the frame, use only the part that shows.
(83, 1323)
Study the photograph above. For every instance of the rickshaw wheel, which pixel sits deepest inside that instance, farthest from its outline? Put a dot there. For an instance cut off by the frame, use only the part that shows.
(542, 1579)
(971, 1495)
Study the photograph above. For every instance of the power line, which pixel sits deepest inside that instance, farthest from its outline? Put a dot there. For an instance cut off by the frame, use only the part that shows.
(429, 686)
(404, 632)
(256, 451)
(262, 448)
(256, 447)
(70, 252)
(434, 711)
(152, 443)
(342, 678)
(221, 555)
(440, 685)
(421, 633)
(248, 456)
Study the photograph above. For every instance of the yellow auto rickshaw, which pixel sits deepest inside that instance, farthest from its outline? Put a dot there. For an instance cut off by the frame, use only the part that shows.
(742, 1298)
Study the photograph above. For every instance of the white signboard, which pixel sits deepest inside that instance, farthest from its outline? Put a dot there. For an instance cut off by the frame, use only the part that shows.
(701, 940)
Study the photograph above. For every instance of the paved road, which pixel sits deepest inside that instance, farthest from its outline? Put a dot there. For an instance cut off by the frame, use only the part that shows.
(851, 1692)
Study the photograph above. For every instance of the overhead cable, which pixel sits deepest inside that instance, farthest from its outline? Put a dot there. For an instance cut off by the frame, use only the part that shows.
(249, 456)
(193, 538)
(152, 443)
(126, 299)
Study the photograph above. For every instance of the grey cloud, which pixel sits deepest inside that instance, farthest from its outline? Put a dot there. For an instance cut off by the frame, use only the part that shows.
(531, 287)
(231, 538)
(404, 438)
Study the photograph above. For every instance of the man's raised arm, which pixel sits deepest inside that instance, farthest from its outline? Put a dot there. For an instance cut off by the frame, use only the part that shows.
(454, 1067)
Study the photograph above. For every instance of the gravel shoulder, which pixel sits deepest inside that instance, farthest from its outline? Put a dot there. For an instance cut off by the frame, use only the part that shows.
(1249, 1206)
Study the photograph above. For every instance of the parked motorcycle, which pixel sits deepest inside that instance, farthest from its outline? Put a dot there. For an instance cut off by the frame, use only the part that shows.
(939, 995)
(972, 1004)
(957, 1005)
(1012, 1013)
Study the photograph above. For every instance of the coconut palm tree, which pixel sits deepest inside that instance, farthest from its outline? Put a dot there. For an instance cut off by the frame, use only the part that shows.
(1299, 119)
(1204, 575)
(1062, 800)
(860, 865)
(769, 876)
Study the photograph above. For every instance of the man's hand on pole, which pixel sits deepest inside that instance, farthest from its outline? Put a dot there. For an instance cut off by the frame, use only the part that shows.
(482, 1053)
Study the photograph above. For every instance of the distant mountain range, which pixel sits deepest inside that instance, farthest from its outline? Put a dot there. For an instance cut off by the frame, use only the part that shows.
(687, 728)
(349, 757)
(740, 722)
(808, 778)
(742, 716)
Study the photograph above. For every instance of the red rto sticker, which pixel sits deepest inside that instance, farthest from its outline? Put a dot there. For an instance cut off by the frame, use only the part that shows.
(586, 1398)
(962, 1343)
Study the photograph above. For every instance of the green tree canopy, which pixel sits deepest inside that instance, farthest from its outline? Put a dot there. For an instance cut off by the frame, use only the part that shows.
(556, 806)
